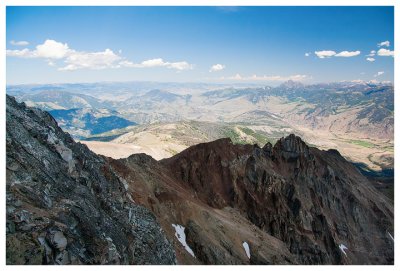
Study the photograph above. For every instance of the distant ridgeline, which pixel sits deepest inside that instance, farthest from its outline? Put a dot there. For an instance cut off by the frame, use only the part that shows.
(355, 117)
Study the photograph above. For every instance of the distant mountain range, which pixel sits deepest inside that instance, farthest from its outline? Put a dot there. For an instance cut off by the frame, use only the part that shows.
(355, 117)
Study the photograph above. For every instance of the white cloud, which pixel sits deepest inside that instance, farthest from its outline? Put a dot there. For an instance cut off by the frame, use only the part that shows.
(19, 53)
(19, 43)
(180, 66)
(384, 43)
(307, 54)
(329, 53)
(95, 60)
(372, 53)
(378, 74)
(238, 77)
(370, 59)
(158, 62)
(385, 52)
(325, 53)
(348, 54)
(217, 67)
(52, 50)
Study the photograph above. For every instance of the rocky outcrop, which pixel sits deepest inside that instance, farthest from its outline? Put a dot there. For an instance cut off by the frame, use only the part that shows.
(217, 203)
(66, 205)
(314, 201)
(214, 235)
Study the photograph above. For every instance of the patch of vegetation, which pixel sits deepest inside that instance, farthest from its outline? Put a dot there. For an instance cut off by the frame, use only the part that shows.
(388, 148)
(260, 138)
(171, 151)
(118, 132)
(234, 136)
(362, 143)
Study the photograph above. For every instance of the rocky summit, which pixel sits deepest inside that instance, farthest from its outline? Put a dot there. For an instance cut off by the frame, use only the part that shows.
(213, 203)
(315, 202)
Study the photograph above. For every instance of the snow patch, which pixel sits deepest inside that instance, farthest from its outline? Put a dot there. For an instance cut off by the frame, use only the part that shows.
(342, 248)
(391, 236)
(181, 236)
(246, 249)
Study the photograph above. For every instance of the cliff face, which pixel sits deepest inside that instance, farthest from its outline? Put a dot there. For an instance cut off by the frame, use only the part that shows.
(66, 205)
(217, 203)
(314, 201)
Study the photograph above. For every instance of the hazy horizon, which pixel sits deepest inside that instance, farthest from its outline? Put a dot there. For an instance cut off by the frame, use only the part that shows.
(235, 84)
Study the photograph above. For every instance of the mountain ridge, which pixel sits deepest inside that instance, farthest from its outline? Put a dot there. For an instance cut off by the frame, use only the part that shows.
(289, 203)
(355, 117)
(65, 205)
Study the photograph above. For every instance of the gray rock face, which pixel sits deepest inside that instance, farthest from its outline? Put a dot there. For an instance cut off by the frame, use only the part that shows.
(66, 205)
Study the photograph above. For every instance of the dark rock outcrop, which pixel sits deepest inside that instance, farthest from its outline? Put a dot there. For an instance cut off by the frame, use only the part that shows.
(66, 205)
(314, 201)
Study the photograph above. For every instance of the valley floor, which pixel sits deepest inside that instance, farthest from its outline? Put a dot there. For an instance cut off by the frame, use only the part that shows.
(165, 140)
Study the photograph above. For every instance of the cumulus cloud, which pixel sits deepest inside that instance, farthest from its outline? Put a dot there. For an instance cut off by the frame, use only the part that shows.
(348, 54)
(384, 43)
(307, 54)
(325, 53)
(19, 43)
(217, 67)
(370, 59)
(52, 51)
(238, 77)
(378, 74)
(385, 52)
(94, 60)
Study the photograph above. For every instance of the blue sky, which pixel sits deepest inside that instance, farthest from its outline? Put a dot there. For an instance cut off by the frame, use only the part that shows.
(199, 44)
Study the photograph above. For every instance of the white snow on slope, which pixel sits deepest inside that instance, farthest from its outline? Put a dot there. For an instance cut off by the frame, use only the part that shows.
(342, 248)
(391, 236)
(181, 236)
(247, 249)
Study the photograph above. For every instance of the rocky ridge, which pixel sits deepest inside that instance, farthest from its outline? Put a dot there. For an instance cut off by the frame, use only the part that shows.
(233, 204)
(66, 205)
(314, 201)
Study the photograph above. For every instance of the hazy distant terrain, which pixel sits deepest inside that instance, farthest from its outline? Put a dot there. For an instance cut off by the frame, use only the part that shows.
(162, 119)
